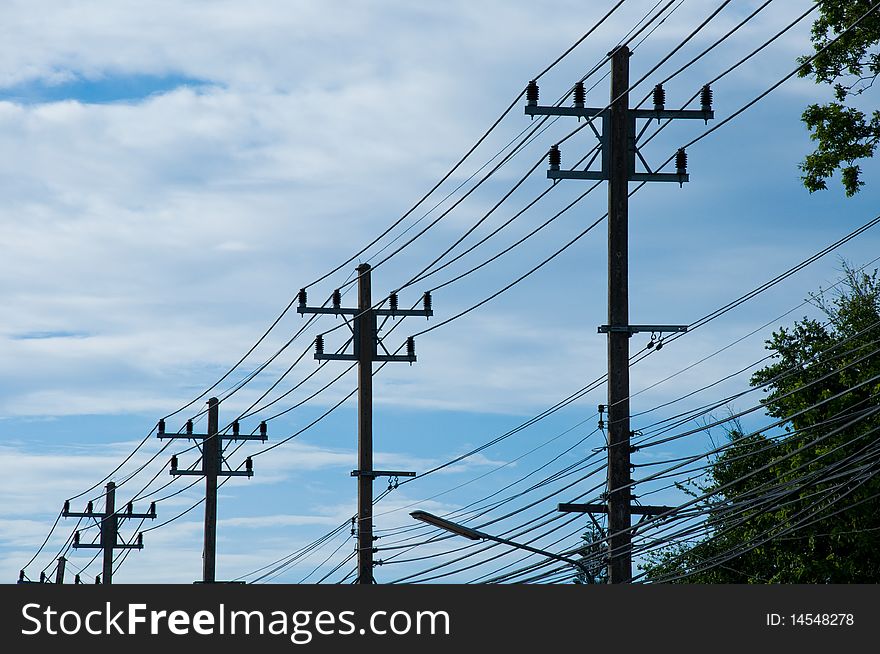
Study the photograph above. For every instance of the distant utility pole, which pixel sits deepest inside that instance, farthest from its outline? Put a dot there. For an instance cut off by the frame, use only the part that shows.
(59, 574)
(619, 149)
(108, 521)
(212, 467)
(366, 344)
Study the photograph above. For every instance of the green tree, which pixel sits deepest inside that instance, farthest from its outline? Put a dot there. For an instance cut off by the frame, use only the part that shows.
(844, 133)
(592, 556)
(803, 507)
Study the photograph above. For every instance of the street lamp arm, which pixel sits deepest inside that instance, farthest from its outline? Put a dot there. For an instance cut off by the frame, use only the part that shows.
(475, 534)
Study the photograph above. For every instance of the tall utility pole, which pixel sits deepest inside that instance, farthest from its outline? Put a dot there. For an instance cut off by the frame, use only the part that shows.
(618, 141)
(212, 468)
(366, 345)
(108, 521)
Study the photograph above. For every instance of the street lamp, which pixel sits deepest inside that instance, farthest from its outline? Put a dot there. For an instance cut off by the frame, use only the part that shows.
(474, 534)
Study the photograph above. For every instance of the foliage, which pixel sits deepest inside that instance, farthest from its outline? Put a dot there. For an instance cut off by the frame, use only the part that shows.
(802, 506)
(592, 556)
(844, 134)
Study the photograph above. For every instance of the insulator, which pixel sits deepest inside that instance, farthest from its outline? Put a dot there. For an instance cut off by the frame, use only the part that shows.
(532, 93)
(392, 301)
(650, 344)
(580, 95)
(319, 344)
(601, 408)
(555, 157)
(129, 508)
(90, 507)
(189, 427)
(236, 428)
(76, 538)
(659, 98)
(21, 576)
(153, 509)
(140, 539)
(249, 464)
(97, 579)
(77, 579)
(301, 297)
(337, 299)
(161, 426)
(173, 462)
(410, 347)
(706, 97)
(427, 301)
(659, 345)
(681, 162)
(43, 577)
(66, 506)
(263, 429)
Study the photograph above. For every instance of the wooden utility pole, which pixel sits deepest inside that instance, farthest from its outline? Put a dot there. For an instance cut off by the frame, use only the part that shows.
(109, 521)
(619, 489)
(211, 454)
(619, 149)
(366, 344)
(212, 468)
(366, 337)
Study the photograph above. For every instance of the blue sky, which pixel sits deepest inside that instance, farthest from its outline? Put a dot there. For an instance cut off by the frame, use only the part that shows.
(173, 174)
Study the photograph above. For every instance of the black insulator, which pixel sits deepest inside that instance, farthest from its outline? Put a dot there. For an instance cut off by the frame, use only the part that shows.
(236, 428)
(140, 540)
(681, 162)
(77, 579)
(319, 344)
(301, 297)
(410, 347)
(129, 508)
(263, 429)
(555, 157)
(21, 576)
(601, 408)
(580, 95)
(427, 301)
(161, 426)
(532, 93)
(97, 580)
(173, 462)
(66, 506)
(392, 301)
(153, 509)
(659, 98)
(90, 507)
(75, 538)
(43, 577)
(659, 345)
(189, 427)
(337, 299)
(650, 344)
(706, 97)
(249, 464)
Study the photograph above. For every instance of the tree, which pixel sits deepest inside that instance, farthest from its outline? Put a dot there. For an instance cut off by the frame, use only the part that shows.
(593, 557)
(844, 133)
(803, 507)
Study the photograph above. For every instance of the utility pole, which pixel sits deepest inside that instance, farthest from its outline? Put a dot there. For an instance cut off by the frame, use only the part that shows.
(212, 468)
(59, 571)
(108, 521)
(365, 350)
(618, 141)
(59, 574)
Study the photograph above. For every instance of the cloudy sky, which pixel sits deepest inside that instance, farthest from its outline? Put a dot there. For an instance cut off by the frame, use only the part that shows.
(175, 171)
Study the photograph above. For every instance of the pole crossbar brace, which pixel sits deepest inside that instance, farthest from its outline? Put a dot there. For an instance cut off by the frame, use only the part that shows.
(637, 509)
(381, 473)
(637, 329)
